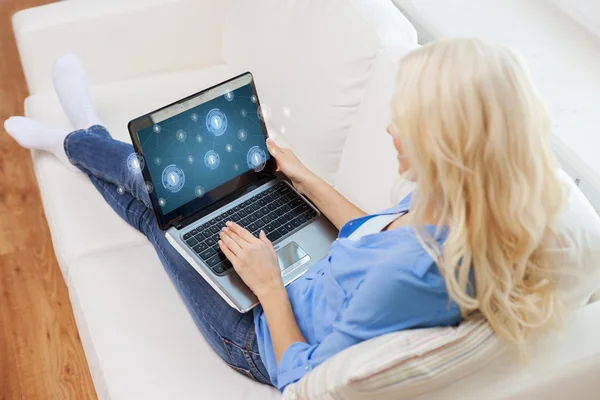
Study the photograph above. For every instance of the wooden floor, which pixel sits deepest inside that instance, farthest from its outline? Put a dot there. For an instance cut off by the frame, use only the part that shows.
(40, 351)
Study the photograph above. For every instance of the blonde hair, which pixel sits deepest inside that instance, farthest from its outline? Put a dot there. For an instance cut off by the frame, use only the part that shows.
(475, 133)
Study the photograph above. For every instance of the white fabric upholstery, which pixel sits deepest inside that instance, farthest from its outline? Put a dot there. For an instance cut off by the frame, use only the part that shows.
(580, 222)
(585, 12)
(119, 39)
(403, 365)
(369, 167)
(563, 57)
(140, 341)
(329, 62)
(559, 367)
(314, 58)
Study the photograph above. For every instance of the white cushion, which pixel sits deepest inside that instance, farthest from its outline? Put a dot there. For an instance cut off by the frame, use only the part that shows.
(586, 12)
(313, 58)
(402, 365)
(563, 58)
(581, 224)
(68, 197)
(560, 366)
(369, 166)
(139, 339)
(119, 39)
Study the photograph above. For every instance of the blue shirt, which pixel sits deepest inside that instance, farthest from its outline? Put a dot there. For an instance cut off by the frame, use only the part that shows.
(383, 282)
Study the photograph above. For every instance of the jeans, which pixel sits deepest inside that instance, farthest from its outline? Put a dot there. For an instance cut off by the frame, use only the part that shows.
(230, 333)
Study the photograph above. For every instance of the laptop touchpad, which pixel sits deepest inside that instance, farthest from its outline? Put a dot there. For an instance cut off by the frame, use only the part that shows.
(291, 256)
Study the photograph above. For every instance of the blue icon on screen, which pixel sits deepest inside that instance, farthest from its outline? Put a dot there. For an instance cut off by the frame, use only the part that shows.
(216, 122)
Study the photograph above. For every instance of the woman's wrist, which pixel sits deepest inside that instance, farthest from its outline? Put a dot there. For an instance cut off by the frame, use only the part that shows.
(307, 183)
(273, 296)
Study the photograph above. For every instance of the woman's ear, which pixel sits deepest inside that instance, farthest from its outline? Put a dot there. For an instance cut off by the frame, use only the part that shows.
(390, 129)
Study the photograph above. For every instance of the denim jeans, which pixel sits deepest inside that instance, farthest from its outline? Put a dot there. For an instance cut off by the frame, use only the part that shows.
(104, 160)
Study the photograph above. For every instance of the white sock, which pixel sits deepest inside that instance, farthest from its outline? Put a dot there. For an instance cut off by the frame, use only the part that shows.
(34, 135)
(70, 83)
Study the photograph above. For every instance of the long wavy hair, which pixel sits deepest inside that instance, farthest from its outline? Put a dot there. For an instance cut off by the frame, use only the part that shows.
(475, 134)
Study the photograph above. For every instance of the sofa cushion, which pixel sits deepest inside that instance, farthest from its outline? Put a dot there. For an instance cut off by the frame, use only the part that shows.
(402, 365)
(559, 366)
(369, 166)
(312, 61)
(140, 340)
(581, 225)
(119, 39)
(75, 230)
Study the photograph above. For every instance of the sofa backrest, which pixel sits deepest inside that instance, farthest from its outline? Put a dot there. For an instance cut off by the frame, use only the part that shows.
(313, 62)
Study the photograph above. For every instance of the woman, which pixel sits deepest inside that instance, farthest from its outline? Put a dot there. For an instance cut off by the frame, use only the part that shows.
(469, 129)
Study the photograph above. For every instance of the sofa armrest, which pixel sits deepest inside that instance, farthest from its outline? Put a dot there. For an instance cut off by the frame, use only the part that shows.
(119, 39)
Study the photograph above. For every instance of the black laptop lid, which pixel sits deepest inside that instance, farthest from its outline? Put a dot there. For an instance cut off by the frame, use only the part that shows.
(201, 150)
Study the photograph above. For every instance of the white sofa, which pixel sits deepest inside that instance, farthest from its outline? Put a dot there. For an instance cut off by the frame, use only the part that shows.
(326, 69)
(560, 39)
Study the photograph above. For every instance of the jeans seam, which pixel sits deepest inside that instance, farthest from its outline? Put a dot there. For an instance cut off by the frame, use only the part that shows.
(248, 354)
(244, 371)
(234, 364)
(254, 368)
(140, 216)
(99, 174)
(94, 171)
(249, 339)
(242, 348)
(225, 342)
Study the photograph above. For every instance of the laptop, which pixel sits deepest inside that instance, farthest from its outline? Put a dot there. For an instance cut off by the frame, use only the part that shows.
(204, 161)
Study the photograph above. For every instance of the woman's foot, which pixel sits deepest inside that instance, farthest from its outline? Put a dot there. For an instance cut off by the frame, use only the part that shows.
(70, 83)
(34, 135)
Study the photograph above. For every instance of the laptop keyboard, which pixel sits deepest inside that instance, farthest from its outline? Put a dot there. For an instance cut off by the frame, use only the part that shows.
(279, 211)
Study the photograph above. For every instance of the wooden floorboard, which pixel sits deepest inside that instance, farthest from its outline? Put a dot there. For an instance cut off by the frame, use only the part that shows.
(40, 350)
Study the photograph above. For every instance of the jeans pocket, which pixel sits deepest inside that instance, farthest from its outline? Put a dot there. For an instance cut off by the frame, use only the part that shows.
(241, 361)
(259, 376)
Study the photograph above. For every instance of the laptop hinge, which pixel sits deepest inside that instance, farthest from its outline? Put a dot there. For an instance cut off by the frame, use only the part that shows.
(176, 223)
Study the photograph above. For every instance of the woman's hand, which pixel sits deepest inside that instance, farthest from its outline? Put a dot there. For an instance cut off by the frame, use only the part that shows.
(290, 165)
(254, 259)
(256, 263)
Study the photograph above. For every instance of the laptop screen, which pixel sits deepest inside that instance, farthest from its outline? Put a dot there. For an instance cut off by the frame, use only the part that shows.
(201, 144)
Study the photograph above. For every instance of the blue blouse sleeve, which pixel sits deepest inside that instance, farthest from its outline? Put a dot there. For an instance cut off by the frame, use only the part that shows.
(381, 304)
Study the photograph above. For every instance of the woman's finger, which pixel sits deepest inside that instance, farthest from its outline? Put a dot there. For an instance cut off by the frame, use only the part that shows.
(230, 241)
(263, 237)
(228, 253)
(273, 148)
(241, 232)
(237, 238)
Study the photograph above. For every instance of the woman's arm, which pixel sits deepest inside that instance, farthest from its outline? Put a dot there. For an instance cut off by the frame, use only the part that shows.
(281, 321)
(256, 263)
(336, 207)
(387, 300)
